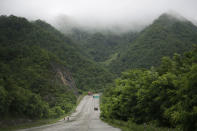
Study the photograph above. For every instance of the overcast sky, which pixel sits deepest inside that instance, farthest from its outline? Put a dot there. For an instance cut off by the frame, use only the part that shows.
(100, 11)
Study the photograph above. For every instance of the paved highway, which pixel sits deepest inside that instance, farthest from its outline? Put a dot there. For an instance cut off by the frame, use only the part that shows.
(84, 119)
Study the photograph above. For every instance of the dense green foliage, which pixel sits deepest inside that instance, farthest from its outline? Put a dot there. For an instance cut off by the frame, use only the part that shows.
(42, 70)
(165, 96)
(39, 67)
(101, 46)
(131, 126)
(164, 37)
(121, 51)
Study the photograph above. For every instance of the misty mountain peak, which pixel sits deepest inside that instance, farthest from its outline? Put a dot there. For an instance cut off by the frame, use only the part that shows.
(170, 18)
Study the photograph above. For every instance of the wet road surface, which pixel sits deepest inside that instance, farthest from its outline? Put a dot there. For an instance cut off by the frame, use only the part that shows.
(84, 119)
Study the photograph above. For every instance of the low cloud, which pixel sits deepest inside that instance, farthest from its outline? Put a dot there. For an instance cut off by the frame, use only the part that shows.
(126, 14)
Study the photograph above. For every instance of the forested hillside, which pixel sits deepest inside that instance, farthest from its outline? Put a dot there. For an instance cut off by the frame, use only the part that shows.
(101, 46)
(167, 35)
(121, 51)
(41, 70)
(162, 96)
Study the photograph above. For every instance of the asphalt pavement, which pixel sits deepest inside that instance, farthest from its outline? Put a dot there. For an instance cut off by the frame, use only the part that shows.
(84, 119)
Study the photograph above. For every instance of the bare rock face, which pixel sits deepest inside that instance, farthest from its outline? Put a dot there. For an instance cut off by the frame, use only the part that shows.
(63, 75)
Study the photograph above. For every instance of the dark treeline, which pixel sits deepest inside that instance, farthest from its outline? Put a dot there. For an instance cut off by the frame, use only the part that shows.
(164, 96)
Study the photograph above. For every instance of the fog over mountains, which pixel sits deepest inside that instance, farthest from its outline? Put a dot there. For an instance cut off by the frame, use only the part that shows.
(103, 14)
(66, 24)
(142, 56)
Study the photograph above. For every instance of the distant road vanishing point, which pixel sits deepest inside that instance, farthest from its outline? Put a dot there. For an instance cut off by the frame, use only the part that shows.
(84, 119)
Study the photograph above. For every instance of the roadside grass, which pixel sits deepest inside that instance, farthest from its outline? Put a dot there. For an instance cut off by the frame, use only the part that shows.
(129, 126)
(30, 124)
(40, 122)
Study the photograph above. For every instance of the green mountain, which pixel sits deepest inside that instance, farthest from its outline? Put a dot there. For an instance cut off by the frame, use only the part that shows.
(41, 70)
(167, 35)
(120, 51)
(101, 46)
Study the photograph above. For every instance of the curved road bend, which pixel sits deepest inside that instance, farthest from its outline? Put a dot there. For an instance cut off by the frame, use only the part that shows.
(84, 119)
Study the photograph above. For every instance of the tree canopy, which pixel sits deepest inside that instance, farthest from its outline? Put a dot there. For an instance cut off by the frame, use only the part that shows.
(165, 96)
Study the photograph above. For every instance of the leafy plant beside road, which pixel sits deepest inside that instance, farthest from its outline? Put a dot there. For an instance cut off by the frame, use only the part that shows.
(164, 96)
